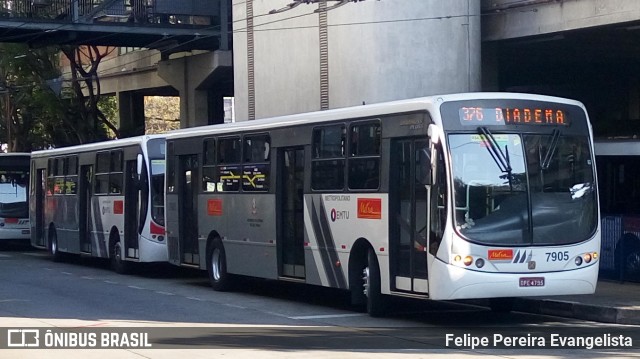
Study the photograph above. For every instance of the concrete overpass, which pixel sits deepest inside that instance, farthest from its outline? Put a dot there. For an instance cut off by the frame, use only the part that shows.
(586, 49)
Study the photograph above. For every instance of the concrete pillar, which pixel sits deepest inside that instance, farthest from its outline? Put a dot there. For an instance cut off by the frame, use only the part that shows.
(202, 81)
(131, 114)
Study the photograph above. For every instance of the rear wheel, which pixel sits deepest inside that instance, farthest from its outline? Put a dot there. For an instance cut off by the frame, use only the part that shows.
(118, 263)
(217, 266)
(54, 251)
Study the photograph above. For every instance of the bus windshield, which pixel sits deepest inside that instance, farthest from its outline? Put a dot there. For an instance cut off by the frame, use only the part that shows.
(523, 189)
(156, 150)
(13, 194)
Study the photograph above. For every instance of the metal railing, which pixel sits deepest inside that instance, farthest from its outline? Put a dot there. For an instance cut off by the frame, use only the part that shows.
(167, 12)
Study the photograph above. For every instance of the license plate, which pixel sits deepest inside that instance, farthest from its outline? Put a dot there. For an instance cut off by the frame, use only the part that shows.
(532, 282)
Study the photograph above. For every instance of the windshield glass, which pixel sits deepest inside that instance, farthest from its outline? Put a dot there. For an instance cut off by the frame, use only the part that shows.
(156, 148)
(13, 194)
(513, 189)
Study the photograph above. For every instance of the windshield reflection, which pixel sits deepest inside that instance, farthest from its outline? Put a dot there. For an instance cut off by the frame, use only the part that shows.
(545, 197)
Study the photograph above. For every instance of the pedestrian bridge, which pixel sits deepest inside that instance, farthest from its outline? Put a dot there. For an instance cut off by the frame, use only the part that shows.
(166, 25)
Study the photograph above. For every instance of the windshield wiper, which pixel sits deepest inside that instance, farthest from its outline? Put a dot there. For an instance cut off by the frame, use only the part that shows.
(551, 149)
(500, 158)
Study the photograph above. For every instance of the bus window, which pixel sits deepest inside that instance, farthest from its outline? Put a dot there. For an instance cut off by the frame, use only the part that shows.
(327, 166)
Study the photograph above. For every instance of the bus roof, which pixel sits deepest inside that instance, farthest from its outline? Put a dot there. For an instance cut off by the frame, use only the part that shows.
(96, 146)
(15, 154)
(617, 147)
(430, 103)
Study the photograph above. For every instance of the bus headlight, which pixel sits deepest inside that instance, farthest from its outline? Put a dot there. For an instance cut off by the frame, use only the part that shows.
(578, 260)
(479, 262)
(587, 257)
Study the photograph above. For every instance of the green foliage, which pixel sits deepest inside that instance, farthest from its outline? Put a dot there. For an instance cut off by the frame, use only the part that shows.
(32, 106)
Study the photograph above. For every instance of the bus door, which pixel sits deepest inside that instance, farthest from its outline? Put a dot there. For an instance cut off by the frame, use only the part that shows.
(131, 209)
(84, 207)
(188, 208)
(39, 229)
(408, 200)
(291, 212)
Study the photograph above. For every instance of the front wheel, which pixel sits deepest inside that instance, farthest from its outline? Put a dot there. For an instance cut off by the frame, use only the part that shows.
(217, 266)
(376, 301)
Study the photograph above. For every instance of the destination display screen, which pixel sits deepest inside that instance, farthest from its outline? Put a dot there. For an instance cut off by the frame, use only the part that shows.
(504, 116)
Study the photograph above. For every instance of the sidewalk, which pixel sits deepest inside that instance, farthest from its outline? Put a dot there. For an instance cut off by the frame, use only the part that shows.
(613, 302)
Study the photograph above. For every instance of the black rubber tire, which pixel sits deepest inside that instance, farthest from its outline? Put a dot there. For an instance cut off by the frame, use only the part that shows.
(118, 264)
(217, 266)
(54, 250)
(376, 301)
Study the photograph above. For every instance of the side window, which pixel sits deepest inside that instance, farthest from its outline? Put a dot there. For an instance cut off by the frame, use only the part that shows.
(209, 165)
(103, 164)
(109, 174)
(59, 176)
(71, 171)
(116, 175)
(51, 182)
(255, 170)
(364, 156)
(229, 170)
(328, 152)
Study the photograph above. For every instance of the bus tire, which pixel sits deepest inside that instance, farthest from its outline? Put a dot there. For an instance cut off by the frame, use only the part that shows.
(217, 266)
(501, 305)
(627, 257)
(54, 250)
(118, 263)
(376, 301)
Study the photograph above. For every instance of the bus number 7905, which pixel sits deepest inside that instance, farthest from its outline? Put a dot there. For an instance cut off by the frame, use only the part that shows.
(557, 256)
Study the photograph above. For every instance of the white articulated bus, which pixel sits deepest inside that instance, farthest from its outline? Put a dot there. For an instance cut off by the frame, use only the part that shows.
(102, 199)
(476, 195)
(14, 187)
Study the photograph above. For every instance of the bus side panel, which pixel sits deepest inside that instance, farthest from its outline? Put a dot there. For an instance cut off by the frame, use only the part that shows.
(172, 223)
(107, 214)
(333, 223)
(249, 234)
(67, 223)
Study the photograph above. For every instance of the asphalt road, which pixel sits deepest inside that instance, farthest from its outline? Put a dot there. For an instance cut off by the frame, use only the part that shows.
(177, 309)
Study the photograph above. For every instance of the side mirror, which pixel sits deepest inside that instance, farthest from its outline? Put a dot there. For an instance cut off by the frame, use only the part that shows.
(139, 164)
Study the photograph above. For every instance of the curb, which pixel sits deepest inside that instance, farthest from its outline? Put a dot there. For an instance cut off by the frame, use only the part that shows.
(577, 310)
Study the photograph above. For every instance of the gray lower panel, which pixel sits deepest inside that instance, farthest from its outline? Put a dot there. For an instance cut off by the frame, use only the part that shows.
(252, 259)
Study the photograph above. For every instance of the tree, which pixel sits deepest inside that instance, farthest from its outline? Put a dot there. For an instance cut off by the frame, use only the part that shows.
(85, 91)
(29, 107)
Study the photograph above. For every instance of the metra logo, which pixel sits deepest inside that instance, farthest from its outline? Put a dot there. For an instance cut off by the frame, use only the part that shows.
(370, 208)
(521, 257)
(500, 254)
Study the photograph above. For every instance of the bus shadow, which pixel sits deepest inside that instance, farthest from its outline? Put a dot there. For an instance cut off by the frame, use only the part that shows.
(15, 246)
